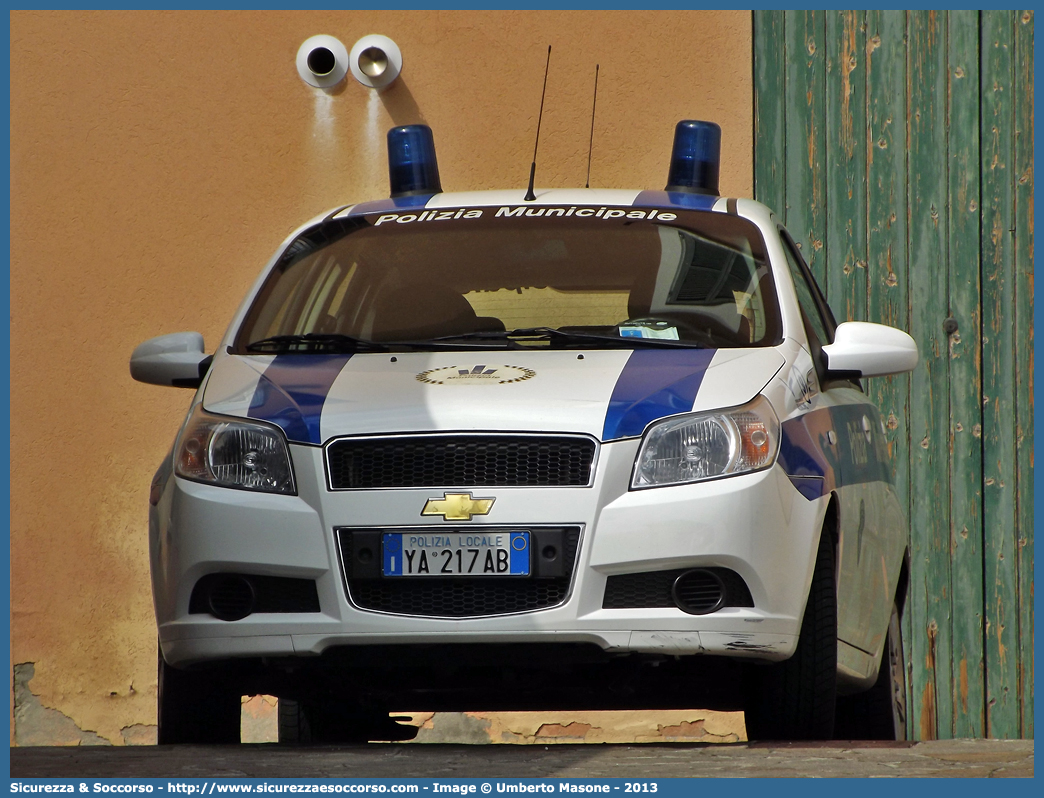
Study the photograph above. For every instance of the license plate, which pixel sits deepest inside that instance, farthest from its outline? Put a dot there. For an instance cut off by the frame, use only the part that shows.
(501, 553)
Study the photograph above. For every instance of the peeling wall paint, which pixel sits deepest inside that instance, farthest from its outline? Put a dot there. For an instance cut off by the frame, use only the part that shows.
(35, 724)
(556, 728)
(260, 725)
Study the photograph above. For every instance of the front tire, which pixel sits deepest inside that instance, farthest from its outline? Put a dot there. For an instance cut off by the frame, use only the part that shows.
(294, 728)
(198, 707)
(795, 699)
(880, 712)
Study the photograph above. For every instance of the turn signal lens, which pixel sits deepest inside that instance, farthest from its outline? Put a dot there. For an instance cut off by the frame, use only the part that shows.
(700, 446)
(754, 442)
(234, 453)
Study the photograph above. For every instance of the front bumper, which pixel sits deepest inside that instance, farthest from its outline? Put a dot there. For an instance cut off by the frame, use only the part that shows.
(757, 525)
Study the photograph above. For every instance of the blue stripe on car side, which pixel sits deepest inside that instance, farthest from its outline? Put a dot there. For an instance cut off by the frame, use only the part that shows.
(654, 383)
(393, 204)
(292, 391)
(816, 466)
(809, 487)
(802, 443)
(677, 199)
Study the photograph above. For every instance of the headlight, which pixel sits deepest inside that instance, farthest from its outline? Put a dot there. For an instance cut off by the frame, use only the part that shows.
(700, 446)
(234, 453)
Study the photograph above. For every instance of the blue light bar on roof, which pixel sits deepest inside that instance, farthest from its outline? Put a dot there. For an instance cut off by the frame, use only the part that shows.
(412, 168)
(695, 158)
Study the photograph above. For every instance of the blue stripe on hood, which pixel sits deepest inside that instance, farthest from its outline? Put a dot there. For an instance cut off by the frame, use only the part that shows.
(292, 391)
(654, 383)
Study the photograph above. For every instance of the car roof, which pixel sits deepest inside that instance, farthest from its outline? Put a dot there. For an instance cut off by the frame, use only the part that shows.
(548, 197)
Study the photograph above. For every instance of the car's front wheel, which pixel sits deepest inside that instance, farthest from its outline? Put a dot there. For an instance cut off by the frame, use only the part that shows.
(880, 712)
(196, 707)
(795, 699)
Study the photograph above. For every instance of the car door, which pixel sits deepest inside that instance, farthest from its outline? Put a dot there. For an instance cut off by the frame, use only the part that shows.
(863, 475)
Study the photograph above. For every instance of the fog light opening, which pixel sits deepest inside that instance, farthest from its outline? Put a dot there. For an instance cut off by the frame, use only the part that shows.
(698, 592)
(231, 598)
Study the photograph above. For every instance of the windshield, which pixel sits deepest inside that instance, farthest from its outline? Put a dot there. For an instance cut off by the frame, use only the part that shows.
(526, 276)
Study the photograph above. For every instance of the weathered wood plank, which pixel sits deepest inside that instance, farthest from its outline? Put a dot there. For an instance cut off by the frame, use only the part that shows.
(770, 120)
(965, 466)
(999, 374)
(887, 264)
(1023, 175)
(929, 383)
(846, 164)
(805, 32)
(999, 426)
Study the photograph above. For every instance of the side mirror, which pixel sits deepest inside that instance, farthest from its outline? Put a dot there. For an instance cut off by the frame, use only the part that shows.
(176, 360)
(870, 350)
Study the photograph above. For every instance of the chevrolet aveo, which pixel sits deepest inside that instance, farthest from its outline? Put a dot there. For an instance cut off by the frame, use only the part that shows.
(578, 449)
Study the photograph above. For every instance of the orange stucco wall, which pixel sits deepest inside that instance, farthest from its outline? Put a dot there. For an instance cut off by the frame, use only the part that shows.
(158, 158)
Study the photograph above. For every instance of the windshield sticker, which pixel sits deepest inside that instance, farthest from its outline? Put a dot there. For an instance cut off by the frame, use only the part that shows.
(527, 212)
(476, 375)
(649, 328)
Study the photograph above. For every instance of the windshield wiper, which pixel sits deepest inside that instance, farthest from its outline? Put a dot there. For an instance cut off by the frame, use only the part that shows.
(314, 342)
(566, 336)
(346, 344)
(489, 339)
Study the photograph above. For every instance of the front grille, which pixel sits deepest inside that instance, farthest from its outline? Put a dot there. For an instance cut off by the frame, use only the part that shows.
(452, 461)
(461, 597)
(657, 589)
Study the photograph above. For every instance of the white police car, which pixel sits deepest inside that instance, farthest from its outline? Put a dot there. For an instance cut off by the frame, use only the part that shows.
(579, 449)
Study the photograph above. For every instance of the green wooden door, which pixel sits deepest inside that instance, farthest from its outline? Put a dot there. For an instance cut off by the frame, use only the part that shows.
(897, 146)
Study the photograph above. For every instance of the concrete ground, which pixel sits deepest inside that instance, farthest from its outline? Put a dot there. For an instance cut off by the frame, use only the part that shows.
(933, 759)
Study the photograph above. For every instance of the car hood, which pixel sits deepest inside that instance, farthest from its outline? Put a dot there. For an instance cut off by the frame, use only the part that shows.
(609, 394)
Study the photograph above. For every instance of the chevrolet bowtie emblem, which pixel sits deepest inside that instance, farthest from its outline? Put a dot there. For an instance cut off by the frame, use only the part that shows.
(457, 506)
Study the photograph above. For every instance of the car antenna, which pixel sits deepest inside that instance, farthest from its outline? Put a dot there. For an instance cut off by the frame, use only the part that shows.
(530, 196)
(590, 144)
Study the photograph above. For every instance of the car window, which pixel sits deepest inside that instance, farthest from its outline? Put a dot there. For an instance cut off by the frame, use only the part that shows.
(694, 277)
(815, 312)
(809, 296)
